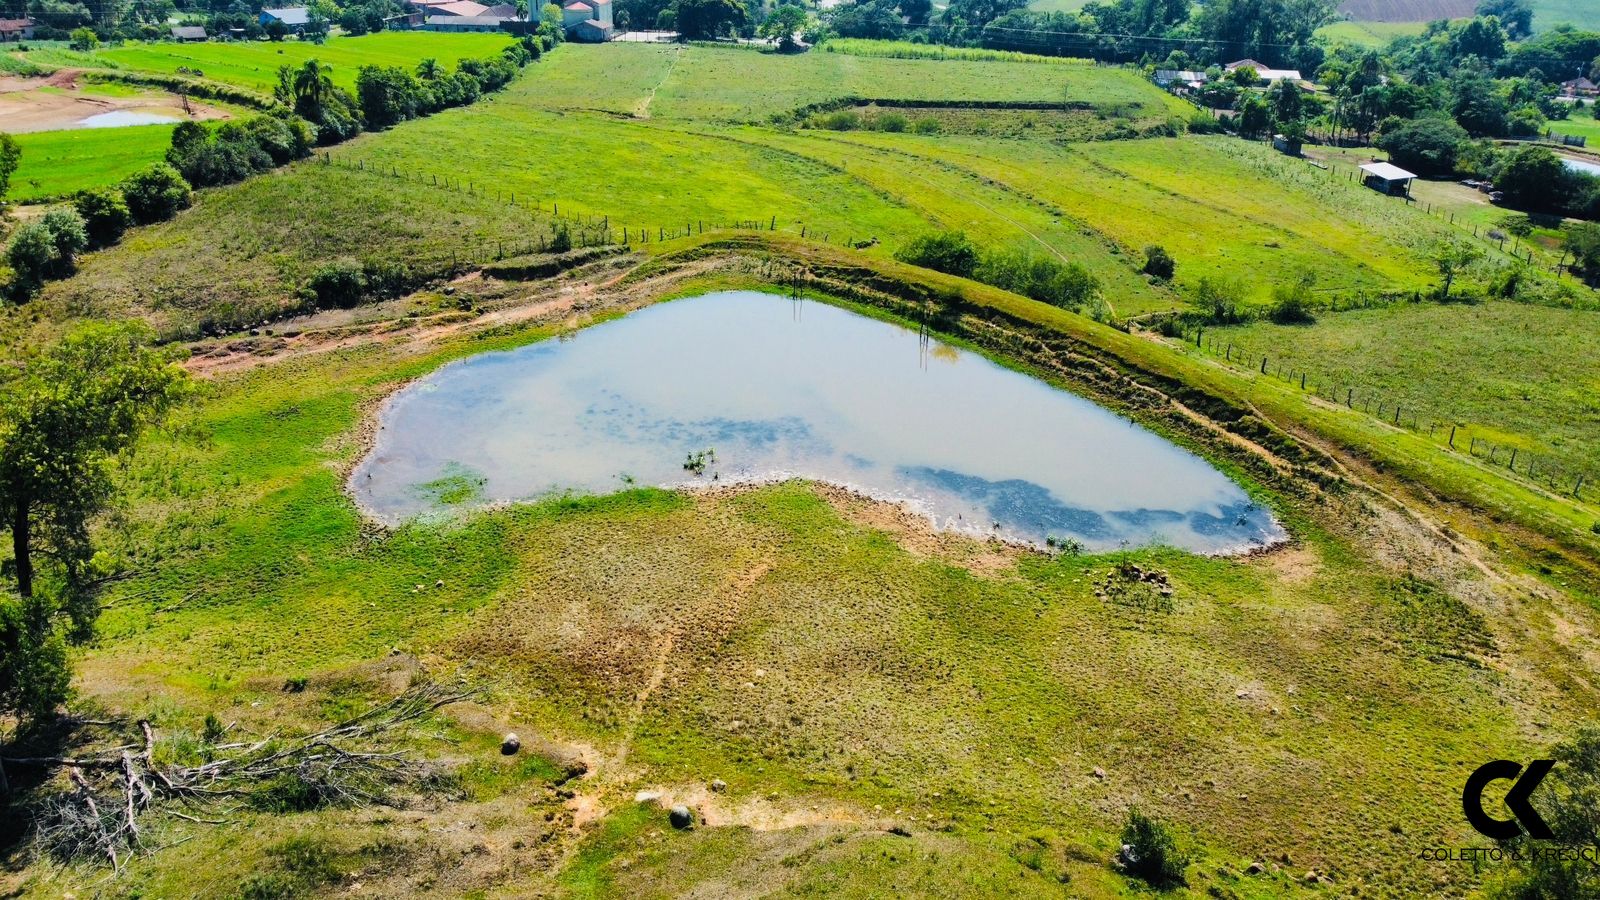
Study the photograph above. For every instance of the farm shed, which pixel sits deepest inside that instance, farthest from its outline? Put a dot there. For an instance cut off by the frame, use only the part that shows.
(188, 33)
(1265, 74)
(296, 17)
(588, 21)
(16, 29)
(1388, 179)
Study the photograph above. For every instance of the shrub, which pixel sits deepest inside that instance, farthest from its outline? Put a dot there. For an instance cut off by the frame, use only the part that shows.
(1158, 262)
(926, 125)
(155, 194)
(1067, 285)
(945, 251)
(1291, 303)
(105, 215)
(337, 284)
(1216, 302)
(893, 122)
(46, 249)
(562, 242)
(1150, 853)
(839, 120)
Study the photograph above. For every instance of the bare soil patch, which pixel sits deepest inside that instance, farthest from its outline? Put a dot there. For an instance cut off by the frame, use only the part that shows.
(60, 101)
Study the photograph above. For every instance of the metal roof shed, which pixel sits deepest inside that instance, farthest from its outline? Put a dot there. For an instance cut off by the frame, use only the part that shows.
(1388, 179)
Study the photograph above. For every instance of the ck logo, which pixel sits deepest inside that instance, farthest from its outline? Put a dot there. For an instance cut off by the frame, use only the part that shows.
(1516, 799)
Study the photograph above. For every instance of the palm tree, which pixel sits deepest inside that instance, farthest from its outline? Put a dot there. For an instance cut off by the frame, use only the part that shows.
(429, 69)
(313, 88)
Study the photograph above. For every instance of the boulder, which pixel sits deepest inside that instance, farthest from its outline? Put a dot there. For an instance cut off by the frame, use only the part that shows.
(510, 744)
(680, 817)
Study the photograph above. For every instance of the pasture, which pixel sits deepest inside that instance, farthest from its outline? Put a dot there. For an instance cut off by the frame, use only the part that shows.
(254, 64)
(57, 164)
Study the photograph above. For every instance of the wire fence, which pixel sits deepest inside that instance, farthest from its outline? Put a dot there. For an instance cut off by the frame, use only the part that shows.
(1452, 434)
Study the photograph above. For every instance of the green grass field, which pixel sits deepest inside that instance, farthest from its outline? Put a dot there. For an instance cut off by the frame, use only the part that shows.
(1520, 376)
(254, 65)
(1548, 14)
(1369, 34)
(60, 163)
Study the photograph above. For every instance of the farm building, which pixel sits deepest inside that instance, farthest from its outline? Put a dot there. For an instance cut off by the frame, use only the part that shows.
(459, 24)
(454, 8)
(1388, 179)
(295, 17)
(188, 33)
(1174, 77)
(588, 21)
(16, 29)
(1580, 87)
(1264, 73)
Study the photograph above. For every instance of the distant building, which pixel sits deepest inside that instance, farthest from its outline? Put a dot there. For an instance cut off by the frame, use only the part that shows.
(588, 21)
(465, 23)
(295, 17)
(16, 29)
(188, 33)
(503, 10)
(1580, 87)
(1264, 73)
(1285, 144)
(457, 8)
(1388, 179)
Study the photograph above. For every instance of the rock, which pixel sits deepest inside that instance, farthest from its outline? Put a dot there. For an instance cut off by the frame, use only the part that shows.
(510, 744)
(1286, 858)
(1099, 773)
(439, 583)
(1311, 877)
(680, 817)
(1255, 868)
(900, 831)
(718, 785)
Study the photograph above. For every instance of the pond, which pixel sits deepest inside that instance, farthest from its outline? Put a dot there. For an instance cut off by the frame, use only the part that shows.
(1582, 165)
(740, 387)
(122, 118)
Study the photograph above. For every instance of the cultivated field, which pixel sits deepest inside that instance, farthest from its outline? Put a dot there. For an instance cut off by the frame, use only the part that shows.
(60, 163)
(1406, 10)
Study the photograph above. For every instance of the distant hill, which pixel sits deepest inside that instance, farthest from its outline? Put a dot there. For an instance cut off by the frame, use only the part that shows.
(1406, 10)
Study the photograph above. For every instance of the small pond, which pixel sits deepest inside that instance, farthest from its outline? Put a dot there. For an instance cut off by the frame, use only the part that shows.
(1580, 165)
(758, 387)
(122, 118)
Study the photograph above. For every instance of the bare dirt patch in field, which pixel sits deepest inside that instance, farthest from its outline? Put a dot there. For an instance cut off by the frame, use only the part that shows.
(61, 101)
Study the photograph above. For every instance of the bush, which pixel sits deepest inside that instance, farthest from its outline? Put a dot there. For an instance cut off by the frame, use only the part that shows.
(1291, 303)
(839, 120)
(926, 125)
(893, 122)
(562, 242)
(155, 194)
(105, 215)
(1425, 146)
(1216, 302)
(1150, 853)
(1067, 285)
(337, 284)
(945, 251)
(45, 249)
(1158, 262)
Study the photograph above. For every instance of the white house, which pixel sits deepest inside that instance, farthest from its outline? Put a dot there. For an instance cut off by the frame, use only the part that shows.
(1265, 74)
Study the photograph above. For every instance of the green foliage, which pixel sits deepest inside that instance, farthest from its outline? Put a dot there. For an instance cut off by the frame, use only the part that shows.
(706, 19)
(84, 39)
(1158, 263)
(1150, 852)
(1292, 302)
(1041, 278)
(1217, 301)
(562, 241)
(155, 194)
(951, 252)
(1569, 802)
(105, 215)
(10, 158)
(337, 285)
(1426, 146)
(64, 422)
(783, 24)
(44, 249)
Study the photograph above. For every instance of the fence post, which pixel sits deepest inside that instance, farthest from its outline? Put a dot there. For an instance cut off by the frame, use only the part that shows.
(1263, 365)
(1348, 394)
(1452, 437)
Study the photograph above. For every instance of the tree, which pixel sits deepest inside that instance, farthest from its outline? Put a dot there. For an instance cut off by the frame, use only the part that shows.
(782, 25)
(1568, 800)
(1516, 16)
(46, 248)
(10, 158)
(84, 39)
(1582, 241)
(67, 418)
(1150, 852)
(429, 69)
(105, 215)
(708, 19)
(1255, 115)
(950, 252)
(1288, 106)
(1426, 146)
(1158, 262)
(155, 194)
(1531, 178)
(1452, 259)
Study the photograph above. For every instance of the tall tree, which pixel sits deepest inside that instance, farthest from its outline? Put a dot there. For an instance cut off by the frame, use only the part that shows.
(10, 157)
(65, 420)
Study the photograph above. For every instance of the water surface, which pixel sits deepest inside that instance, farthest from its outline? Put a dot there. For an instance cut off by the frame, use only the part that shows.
(122, 118)
(1582, 165)
(779, 388)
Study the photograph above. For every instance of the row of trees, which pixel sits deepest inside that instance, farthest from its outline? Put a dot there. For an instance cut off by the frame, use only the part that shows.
(1067, 285)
